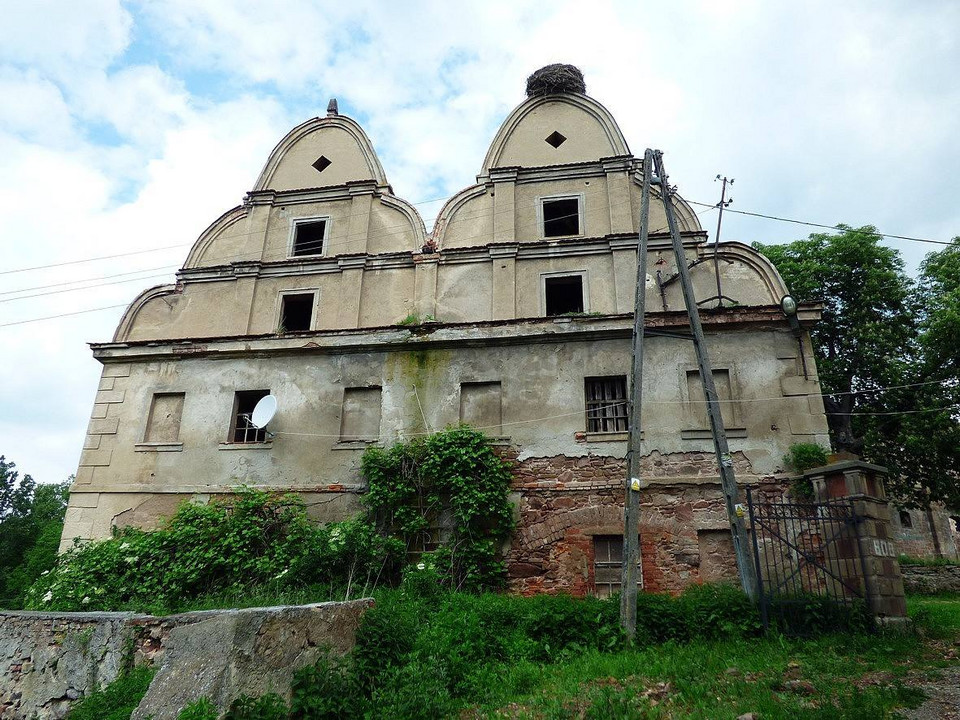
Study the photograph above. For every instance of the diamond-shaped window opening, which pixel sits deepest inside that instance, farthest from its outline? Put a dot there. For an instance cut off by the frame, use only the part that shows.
(321, 164)
(556, 139)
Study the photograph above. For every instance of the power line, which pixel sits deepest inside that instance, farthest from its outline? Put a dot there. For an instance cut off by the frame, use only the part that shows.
(821, 225)
(60, 315)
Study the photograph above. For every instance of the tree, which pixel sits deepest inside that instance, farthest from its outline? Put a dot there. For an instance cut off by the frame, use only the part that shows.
(867, 327)
(887, 354)
(31, 521)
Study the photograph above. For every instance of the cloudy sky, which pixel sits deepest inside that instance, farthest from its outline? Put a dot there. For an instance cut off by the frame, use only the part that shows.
(126, 128)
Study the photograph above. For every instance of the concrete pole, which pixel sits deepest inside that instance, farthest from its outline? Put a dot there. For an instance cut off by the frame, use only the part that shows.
(631, 504)
(728, 482)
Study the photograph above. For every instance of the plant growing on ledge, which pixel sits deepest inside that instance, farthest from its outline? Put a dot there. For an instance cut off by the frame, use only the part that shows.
(445, 495)
(802, 457)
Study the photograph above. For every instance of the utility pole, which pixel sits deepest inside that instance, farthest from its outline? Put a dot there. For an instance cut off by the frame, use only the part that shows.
(631, 501)
(716, 240)
(728, 481)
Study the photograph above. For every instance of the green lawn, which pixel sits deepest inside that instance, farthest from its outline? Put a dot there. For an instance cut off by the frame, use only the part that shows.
(840, 676)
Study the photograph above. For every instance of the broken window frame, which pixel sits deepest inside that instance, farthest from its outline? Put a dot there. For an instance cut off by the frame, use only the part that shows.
(541, 216)
(314, 309)
(292, 241)
(584, 286)
(242, 431)
(614, 414)
(614, 585)
(905, 515)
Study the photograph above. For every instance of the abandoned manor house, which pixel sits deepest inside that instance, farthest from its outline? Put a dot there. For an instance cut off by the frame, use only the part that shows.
(324, 289)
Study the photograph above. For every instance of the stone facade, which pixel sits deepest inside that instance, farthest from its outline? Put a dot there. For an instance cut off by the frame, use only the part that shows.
(514, 314)
(49, 660)
(931, 580)
(564, 504)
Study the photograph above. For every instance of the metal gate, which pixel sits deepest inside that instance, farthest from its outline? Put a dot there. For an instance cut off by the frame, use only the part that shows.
(806, 554)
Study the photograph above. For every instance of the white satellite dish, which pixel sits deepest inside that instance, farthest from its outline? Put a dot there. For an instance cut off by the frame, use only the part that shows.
(264, 411)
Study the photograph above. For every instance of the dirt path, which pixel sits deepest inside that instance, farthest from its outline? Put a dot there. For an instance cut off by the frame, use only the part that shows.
(944, 698)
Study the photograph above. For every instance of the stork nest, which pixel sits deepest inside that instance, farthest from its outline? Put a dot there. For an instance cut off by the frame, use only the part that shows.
(554, 79)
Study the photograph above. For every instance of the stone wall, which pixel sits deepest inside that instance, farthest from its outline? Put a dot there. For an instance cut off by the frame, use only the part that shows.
(565, 503)
(48, 660)
(931, 580)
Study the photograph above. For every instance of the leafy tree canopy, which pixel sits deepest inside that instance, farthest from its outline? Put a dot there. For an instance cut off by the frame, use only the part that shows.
(880, 329)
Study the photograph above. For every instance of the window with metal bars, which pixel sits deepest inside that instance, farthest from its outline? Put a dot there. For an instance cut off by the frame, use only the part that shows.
(606, 399)
(242, 429)
(608, 564)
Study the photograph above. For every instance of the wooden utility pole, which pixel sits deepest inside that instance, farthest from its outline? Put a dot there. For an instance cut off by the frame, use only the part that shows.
(631, 503)
(728, 481)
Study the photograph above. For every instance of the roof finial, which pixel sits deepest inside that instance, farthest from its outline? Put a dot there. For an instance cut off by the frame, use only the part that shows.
(332, 107)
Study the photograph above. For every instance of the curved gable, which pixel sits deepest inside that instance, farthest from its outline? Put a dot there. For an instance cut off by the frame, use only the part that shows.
(322, 152)
(526, 138)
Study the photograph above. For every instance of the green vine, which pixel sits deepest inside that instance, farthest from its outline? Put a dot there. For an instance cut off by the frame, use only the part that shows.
(445, 495)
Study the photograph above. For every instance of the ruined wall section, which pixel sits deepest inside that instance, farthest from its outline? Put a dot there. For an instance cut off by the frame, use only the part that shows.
(564, 504)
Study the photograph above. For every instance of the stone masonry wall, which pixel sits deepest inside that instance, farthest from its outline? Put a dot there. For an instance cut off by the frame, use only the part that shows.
(564, 503)
(48, 660)
(931, 580)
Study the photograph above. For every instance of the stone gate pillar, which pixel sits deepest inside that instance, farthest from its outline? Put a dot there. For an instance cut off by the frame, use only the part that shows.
(863, 483)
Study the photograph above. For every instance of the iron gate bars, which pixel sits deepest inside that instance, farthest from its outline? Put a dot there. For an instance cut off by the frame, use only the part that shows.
(806, 549)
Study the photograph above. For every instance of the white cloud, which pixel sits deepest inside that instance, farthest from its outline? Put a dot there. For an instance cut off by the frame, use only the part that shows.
(133, 127)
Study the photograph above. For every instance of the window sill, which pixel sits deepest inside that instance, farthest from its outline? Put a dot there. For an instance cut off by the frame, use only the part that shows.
(701, 434)
(355, 444)
(158, 447)
(246, 446)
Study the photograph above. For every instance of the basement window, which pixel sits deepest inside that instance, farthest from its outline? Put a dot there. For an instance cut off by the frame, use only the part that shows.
(608, 565)
(296, 312)
(606, 401)
(905, 519)
(242, 429)
(563, 295)
(308, 236)
(561, 216)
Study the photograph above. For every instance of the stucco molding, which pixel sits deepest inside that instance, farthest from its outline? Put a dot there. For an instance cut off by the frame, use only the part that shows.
(411, 213)
(451, 207)
(313, 125)
(130, 314)
(213, 231)
(583, 102)
(759, 263)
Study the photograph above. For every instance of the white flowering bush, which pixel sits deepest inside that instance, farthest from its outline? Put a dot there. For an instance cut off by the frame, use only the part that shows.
(252, 539)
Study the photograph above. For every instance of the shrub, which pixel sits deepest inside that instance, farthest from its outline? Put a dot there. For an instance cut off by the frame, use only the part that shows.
(413, 485)
(202, 709)
(252, 540)
(265, 707)
(802, 457)
(117, 700)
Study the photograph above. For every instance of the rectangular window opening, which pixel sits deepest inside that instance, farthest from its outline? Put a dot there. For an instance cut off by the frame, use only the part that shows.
(481, 406)
(608, 564)
(698, 404)
(561, 217)
(163, 423)
(563, 295)
(308, 238)
(606, 399)
(360, 415)
(296, 312)
(242, 429)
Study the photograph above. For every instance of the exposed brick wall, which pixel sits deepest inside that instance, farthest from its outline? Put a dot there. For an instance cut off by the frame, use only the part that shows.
(564, 502)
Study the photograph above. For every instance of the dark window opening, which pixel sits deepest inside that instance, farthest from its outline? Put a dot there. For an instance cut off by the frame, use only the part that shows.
(606, 399)
(308, 237)
(561, 217)
(321, 164)
(905, 519)
(242, 429)
(608, 564)
(563, 295)
(556, 139)
(296, 312)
